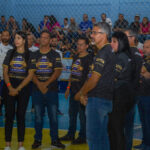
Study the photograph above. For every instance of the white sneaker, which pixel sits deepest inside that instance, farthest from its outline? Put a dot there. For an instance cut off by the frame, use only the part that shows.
(7, 148)
(21, 148)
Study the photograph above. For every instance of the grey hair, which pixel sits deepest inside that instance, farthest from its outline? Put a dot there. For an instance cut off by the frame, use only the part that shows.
(132, 33)
(105, 27)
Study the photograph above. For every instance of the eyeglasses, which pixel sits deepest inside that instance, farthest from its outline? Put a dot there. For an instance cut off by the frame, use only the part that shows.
(130, 36)
(95, 32)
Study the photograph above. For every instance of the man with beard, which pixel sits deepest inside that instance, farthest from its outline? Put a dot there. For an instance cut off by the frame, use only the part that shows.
(4, 47)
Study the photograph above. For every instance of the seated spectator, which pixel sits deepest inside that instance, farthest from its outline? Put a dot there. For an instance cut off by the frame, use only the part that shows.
(145, 26)
(144, 30)
(73, 29)
(31, 41)
(44, 24)
(85, 25)
(93, 19)
(121, 23)
(136, 24)
(3, 24)
(65, 26)
(12, 27)
(54, 24)
(105, 19)
(28, 27)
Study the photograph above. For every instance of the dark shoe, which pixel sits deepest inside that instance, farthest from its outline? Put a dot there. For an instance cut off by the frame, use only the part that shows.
(79, 140)
(36, 144)
(67, 138)
(58, 144)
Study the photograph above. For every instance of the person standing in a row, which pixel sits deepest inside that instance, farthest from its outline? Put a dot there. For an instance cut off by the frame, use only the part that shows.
(18, 71)
(4, 47)
(143, 98)
(99, 90)
(45, 90)
(137, 61)
(79, 74)
(123, 95)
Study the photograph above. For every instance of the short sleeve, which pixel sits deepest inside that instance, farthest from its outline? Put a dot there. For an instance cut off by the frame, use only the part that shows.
(99, 63)
(32, 61)
(7, 58)
(57, 62)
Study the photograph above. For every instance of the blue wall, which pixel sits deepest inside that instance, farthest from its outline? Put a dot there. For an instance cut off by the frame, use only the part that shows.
(34, 10)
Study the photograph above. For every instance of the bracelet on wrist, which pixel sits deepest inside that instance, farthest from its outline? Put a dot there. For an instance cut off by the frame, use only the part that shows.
(68, 87)
(8, 84)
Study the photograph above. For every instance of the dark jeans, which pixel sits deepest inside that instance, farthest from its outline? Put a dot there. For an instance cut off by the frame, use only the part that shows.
(50, 101)
(76, 108)
(10, 106)
(97, 111)
(144, 112)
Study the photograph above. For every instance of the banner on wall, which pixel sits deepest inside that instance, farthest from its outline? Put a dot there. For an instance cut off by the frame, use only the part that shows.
(66, 62)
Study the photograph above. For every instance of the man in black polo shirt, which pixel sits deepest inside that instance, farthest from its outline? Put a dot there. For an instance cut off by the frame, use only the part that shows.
(137, 61)
(99, 90)
(79, 74)
(143, 98)
(45, 90)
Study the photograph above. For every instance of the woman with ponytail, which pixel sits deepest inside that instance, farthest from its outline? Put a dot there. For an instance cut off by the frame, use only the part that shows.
(18, 70)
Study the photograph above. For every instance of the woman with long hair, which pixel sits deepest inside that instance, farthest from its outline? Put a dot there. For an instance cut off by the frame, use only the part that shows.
(18, 70)
(123, 97)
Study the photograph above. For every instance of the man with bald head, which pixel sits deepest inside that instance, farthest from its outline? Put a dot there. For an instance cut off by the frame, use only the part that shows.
(144, 98)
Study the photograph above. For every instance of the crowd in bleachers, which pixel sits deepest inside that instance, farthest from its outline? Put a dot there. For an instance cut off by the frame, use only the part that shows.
(68, 33)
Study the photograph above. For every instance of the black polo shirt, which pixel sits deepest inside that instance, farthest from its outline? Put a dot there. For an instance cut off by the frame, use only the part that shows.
(18, 68)
(46, 63)
(104, 63)
(144, 88)
(137, 65)
(123, 70)
(79, 71)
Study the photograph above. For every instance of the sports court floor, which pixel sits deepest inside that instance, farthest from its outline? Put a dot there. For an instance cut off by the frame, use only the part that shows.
(63, 126)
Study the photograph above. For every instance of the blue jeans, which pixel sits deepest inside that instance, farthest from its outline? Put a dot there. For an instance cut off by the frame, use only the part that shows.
(97, 121)
(74, 108)
(144, 112)
(50, 101)
(129, 128)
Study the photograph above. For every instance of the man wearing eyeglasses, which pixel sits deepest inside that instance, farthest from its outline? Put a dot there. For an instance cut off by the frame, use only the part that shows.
(97, 92)
(137, 61)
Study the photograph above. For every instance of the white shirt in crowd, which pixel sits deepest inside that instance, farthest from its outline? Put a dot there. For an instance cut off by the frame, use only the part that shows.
(33, 48)
(3, 52)
(108, 20)
(140, 46)
(60, 53)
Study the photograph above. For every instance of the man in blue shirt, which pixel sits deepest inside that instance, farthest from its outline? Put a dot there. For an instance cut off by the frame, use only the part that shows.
(86, 24)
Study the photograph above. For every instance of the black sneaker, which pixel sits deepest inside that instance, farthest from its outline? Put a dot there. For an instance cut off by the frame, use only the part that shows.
(79, 140)
(57, 144)
(36, 144)
(67, 138)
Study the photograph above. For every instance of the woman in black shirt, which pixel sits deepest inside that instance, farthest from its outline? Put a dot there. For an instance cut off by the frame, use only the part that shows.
(123, 97)
(18, 70)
